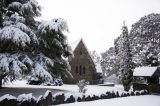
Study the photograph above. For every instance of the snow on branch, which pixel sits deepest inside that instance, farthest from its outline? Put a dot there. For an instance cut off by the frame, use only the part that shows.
(27, 6)
(17, 5)
(16, 18)
(44, 61)
(30, 7)
(39, 73)
(57, 25)
(23, 27)
(12, 65)
(15, 35)
(4, 65)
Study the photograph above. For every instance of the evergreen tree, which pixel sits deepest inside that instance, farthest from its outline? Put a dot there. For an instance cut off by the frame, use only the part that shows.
(126, 64)
(16, 38)
(54, 45)
(21, 43)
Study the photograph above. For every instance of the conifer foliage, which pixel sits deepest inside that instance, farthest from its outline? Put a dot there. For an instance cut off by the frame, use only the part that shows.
(30, 47)
(126, 60)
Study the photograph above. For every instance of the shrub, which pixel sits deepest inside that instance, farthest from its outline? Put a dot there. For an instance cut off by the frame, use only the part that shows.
(82, 84)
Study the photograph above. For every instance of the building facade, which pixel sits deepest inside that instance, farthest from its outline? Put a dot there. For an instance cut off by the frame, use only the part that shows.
(82, 64)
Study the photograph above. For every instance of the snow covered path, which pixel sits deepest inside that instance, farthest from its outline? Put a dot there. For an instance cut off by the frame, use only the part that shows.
(146, 100)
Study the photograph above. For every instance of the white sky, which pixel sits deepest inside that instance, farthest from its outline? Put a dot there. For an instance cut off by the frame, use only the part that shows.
(98, 22)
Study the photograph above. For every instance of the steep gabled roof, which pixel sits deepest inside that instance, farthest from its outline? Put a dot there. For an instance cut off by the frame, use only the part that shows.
(144, 71)
(74, 46)
(76, 43)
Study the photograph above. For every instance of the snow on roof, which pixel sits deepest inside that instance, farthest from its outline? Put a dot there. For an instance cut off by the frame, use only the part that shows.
(144, 71)
(75, 44)
(98, 67)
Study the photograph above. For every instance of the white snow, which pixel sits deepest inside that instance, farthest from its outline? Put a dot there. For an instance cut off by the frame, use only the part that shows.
(91, 89)
(144, 71)
(15, 5)
(15, 66)
(46, 94)
(15, 35)
(54, 24)
(39, 72)
(25, 97)
(98, 67)
(147, 100)
(8, 96)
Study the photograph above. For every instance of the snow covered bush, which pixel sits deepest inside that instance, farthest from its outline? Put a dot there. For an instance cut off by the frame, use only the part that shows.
(82, 86)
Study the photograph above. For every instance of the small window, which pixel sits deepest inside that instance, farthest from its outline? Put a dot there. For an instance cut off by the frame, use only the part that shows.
(84, 70)
(76, 69)
(80, 52)
(80, 70)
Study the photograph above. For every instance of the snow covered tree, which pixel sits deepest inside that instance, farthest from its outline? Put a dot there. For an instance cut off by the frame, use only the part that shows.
(126, 64)
(21, 49)
(145, 40)
(110, 66)
(54, 45)
(95, 56)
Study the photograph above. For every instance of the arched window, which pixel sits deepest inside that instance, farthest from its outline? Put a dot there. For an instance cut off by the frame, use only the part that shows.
(84, 70)
(80, 70)
(80, 52)
(76, 69)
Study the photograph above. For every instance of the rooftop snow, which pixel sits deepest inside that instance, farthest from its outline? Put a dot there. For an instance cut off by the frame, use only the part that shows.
(144, 71)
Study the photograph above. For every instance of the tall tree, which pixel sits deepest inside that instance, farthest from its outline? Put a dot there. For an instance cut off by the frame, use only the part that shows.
(16, 37)
(145, 40)
(126, 64)
(21, 43)
(110, 66)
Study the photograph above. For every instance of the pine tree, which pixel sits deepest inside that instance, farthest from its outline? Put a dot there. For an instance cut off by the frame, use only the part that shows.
(21, 43)
(54, 45)
(126, 64)
(16, 38)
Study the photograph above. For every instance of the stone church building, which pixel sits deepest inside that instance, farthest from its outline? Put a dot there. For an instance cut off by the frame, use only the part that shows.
(82, 64)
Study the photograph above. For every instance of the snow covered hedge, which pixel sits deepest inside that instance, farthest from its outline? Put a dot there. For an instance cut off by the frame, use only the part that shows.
(60, 98)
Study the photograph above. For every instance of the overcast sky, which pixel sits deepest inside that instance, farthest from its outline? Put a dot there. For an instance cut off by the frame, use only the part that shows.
(98, 22)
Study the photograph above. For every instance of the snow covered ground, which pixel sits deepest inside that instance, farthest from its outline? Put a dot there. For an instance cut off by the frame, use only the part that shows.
(24, 88)
(146, 100)
(19, 87)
